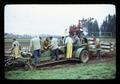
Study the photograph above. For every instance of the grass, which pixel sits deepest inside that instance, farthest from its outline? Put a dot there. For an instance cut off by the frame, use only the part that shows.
(104, 70)
(20, 40)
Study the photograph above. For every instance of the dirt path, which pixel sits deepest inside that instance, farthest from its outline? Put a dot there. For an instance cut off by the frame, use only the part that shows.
(108, 59)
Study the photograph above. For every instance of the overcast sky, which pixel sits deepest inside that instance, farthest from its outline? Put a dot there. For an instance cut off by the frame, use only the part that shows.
(51, 19)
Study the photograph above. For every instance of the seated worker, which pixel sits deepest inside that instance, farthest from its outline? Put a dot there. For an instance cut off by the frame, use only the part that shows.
(69, 46)
(16, 49)
(85, 42)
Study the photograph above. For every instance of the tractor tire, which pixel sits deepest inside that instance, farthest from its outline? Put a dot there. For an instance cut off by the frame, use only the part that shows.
(84, 56)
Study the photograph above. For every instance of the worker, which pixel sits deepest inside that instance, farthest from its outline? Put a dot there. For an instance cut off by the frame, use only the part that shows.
(77, 43)
(94, 38)
(46, 44)
(97, 43)
(16, 48)
(62, 41)
(54, 48)
(85, 42)
(35, 43)
(69, 46)
(40, 40)
(82, 39)
(98, 48)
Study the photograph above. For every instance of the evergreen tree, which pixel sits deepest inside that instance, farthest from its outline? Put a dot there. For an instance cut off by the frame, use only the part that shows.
(95, 28)
(109, 25)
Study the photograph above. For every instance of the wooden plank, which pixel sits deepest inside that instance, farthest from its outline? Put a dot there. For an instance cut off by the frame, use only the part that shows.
(52, 63)
(74, 59)
(105, 44)
(105, 47)
(105, 51)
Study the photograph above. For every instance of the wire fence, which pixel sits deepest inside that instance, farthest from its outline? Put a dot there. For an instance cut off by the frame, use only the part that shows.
(102, 34)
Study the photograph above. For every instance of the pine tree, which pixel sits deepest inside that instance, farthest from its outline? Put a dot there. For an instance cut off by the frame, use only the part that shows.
(109, 25)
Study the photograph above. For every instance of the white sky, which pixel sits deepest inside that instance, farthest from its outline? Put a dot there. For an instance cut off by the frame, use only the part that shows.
(51, 19)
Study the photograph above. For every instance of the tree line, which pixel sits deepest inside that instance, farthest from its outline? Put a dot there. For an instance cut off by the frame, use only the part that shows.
(108, 27)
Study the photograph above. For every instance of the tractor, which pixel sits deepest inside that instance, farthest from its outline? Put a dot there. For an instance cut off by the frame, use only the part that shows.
(91, 47)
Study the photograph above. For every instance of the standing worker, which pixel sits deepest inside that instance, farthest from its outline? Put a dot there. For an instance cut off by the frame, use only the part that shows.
(77, 43)
(98, 48)
(40, 40)
(35, 43)
(69, 45)
(54, 48)
(62, 41)
(16, 48)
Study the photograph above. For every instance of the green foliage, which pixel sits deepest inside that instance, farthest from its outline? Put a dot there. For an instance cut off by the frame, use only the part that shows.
(93, 28)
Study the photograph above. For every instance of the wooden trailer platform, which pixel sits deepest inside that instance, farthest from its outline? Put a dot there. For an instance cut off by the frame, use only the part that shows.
(61, 61)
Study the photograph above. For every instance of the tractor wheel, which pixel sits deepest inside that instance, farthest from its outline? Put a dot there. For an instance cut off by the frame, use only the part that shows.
(84, 56)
